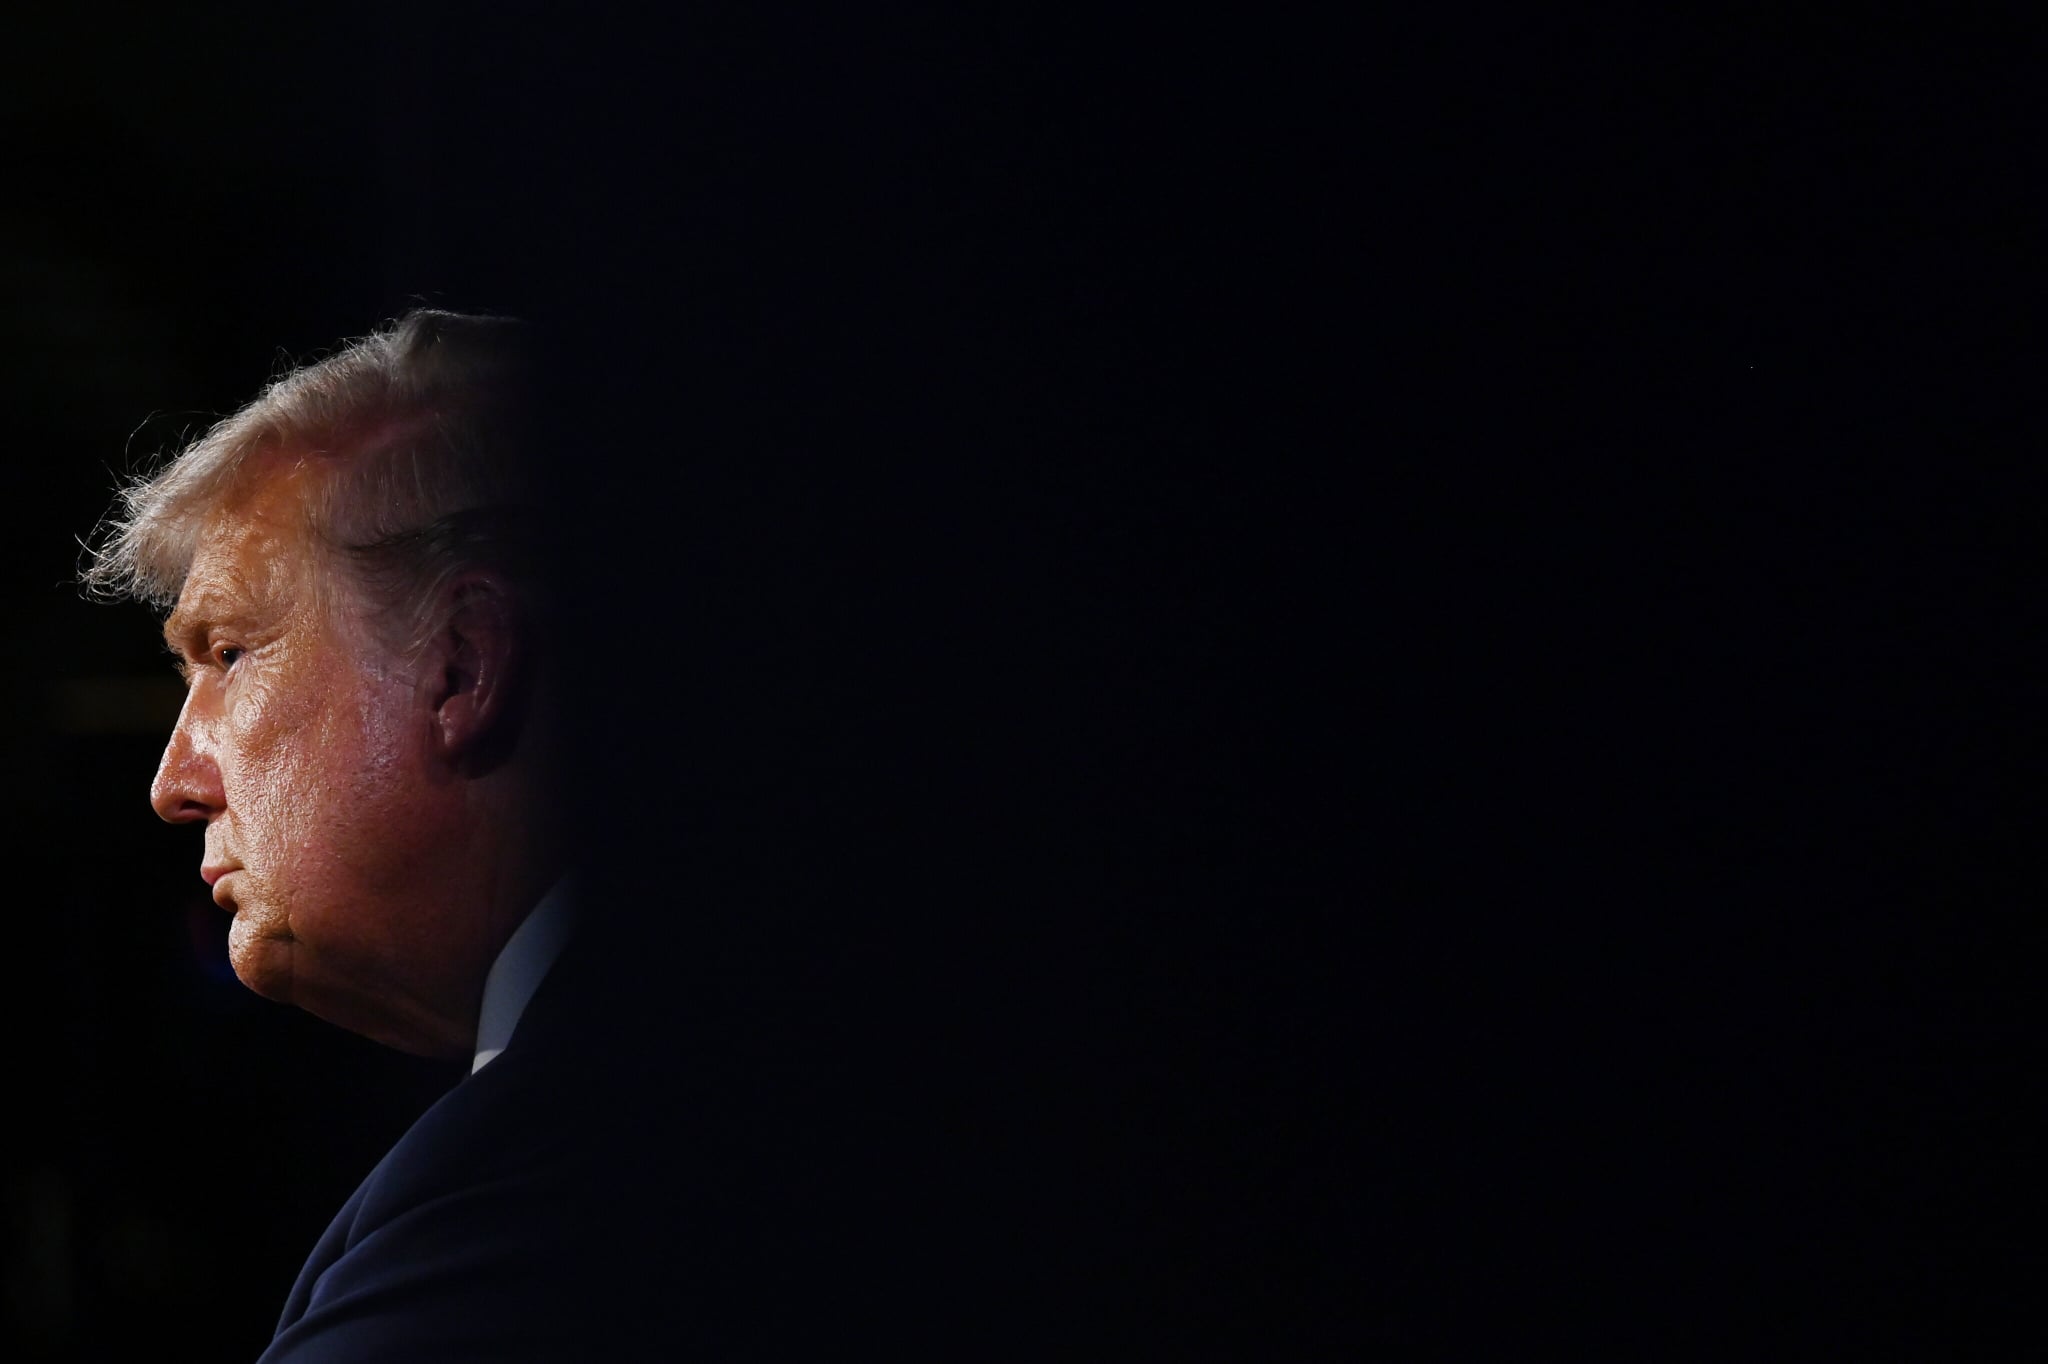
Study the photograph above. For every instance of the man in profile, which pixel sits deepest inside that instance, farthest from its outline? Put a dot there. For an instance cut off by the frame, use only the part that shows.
(364, 622)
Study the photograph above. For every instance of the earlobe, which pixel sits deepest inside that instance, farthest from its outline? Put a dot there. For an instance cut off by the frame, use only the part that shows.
(456, 723)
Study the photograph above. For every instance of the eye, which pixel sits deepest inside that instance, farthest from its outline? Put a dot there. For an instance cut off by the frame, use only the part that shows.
(224, 655)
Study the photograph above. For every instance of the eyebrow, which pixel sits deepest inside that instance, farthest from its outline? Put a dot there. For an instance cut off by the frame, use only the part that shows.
(182, 625)
(189, 623)
(179, 632)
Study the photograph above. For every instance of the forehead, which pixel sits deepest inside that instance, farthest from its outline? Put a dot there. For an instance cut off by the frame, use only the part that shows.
(250, 554)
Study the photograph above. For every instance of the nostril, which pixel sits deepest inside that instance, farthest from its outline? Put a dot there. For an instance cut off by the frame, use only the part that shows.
(190, 812)
(177, 806)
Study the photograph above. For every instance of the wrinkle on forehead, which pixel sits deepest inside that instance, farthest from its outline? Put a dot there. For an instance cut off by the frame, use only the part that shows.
(252, 551)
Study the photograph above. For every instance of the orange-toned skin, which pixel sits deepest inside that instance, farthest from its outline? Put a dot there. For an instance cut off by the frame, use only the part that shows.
(374, 868)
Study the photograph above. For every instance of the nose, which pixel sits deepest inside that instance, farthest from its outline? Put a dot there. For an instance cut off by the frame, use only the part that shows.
(187, 788)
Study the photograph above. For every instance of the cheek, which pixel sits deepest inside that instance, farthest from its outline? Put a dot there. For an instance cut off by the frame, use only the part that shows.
(320, 764)
(272, 735)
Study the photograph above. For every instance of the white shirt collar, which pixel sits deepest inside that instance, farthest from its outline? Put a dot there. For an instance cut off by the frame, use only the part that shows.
(521, 965)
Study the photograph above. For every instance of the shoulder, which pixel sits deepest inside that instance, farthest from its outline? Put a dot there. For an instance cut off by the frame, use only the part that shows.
(502, 1225)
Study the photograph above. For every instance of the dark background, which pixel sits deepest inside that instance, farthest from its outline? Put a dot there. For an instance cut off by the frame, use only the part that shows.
(1285, 693)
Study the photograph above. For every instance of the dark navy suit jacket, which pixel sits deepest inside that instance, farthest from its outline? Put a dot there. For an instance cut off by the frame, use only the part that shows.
(653, 1171)
(502, 1226)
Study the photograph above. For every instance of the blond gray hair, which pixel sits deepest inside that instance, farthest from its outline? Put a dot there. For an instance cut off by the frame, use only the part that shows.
(419, 437)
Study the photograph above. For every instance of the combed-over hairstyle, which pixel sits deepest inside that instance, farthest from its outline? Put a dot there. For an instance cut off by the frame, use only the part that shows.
(419, 437)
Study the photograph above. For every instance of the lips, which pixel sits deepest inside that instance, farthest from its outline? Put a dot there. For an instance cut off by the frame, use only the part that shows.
(217, 877)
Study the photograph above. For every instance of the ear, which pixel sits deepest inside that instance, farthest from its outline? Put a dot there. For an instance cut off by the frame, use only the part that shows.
(473, 670)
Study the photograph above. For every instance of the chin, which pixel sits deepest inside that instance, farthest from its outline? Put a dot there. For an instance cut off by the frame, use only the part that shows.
(262, 961)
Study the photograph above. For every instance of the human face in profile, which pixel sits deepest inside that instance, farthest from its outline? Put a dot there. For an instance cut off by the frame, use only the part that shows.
(302, 749)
